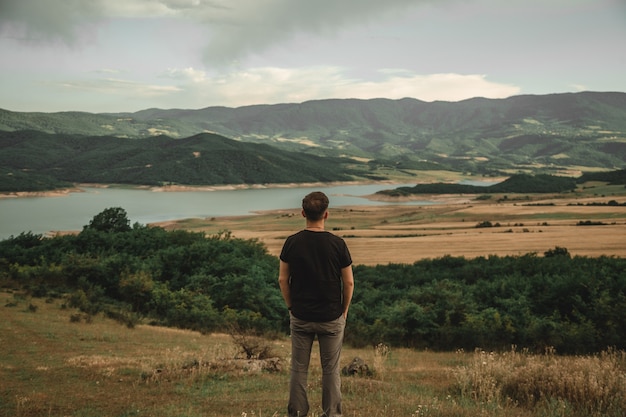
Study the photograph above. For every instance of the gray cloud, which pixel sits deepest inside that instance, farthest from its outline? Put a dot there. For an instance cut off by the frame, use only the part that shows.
(48, 20)
(237, 27)
(252, 26)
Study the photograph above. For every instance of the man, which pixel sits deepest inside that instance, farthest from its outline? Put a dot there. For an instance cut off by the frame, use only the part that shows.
(316, 281)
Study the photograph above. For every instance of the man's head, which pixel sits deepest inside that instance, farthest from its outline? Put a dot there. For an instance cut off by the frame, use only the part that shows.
(314, 205)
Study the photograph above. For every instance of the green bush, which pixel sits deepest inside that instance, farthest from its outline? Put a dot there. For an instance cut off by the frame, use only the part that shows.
(211, 283)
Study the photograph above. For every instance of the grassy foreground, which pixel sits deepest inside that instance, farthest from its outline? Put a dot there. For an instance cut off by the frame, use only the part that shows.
(57, 362)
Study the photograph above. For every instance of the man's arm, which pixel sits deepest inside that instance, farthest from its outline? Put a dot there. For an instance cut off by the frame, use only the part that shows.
(348, 288)
(283, 282)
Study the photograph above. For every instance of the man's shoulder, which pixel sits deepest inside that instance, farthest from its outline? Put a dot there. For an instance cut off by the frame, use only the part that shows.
(306, 234)
(295, 235)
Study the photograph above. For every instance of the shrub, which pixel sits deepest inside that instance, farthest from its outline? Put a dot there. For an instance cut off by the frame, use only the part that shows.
(557, 251)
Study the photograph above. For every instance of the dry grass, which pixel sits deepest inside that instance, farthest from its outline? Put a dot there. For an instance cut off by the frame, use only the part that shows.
(557, 385)
(51, 366)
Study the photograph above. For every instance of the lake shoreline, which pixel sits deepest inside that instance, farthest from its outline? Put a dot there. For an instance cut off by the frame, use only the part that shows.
(79, 188)
(146, 206)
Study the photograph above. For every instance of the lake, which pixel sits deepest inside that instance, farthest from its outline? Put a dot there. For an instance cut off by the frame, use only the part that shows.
(75, 210)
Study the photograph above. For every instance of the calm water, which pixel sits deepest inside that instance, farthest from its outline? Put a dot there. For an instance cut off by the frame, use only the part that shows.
(72, 212)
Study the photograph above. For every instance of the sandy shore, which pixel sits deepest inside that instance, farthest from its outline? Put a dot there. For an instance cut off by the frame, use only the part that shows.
(175, 188)
(30, 194)
(435, 198)
(189, 188)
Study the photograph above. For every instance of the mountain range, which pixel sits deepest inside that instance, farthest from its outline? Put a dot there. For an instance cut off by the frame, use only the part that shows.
(543, 133)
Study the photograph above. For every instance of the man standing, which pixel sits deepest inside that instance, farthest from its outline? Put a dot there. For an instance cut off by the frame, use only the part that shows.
(316, 281)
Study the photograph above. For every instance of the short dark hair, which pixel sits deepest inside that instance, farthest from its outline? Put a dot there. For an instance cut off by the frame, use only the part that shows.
(315, 205)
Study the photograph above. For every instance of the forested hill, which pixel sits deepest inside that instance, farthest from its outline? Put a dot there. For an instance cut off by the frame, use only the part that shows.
(320, 118)
(519, 183)
(582, 129)
(38, 161)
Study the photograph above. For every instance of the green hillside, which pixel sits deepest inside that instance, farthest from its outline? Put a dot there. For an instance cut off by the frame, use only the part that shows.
(198, 160)
(520, 183)
(538, 133)
(611, 177)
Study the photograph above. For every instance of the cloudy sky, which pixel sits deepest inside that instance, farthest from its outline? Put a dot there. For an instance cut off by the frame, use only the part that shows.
(128, 55)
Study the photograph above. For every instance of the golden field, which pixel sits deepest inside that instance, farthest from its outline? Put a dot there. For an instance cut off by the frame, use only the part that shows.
(407, 233)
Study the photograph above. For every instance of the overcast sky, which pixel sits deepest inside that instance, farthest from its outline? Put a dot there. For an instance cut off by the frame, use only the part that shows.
(128, 55)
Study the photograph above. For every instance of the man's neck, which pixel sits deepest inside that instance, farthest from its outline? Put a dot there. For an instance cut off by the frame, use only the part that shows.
(315, 226)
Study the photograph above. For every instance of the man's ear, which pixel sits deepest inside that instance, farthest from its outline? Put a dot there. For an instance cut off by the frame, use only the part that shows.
(325, 214)
(303, 213)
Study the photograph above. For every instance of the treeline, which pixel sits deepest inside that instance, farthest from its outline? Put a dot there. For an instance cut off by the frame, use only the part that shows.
(13, 181)
(611, 177)
(520, 183)
(215, 283)
(573, 304)
(610, 203)
(179, 278)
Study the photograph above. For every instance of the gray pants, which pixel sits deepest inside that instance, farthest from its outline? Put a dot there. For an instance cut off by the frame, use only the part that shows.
(330, 338)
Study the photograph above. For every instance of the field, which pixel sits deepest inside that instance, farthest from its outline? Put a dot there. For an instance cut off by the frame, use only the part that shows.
(55, 363)
(404, 234)
(58, 362)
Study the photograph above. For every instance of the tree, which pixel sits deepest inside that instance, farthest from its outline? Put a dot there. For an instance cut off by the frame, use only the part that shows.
(557, 251)
(136, 288)
(113, 219)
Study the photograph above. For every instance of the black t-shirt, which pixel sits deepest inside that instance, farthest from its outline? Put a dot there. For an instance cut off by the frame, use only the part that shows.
(315, 262)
